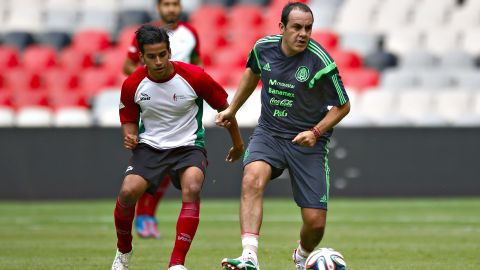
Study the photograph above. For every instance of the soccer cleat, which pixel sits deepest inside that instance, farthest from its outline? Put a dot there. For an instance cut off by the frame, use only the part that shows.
(298, 260)
(146, 226)
(240, 263)
(177, 267)
(121, 260)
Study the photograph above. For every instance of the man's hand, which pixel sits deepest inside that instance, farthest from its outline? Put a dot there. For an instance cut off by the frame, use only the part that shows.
(223, 118)
(130, 141)
(305, 138)
(234, 153)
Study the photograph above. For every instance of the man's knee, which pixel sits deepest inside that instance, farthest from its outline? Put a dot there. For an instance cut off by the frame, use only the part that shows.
(132, 188)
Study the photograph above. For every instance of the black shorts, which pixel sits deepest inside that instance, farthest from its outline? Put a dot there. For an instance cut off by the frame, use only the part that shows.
(154, 164)
(308, 166)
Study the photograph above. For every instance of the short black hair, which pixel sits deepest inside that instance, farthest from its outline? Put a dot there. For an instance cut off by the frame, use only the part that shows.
(149, 34)
(291, 6)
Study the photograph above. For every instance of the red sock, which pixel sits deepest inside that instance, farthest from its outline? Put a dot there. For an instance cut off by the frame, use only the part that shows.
(147, 204)
(124, 215)
(186, 227)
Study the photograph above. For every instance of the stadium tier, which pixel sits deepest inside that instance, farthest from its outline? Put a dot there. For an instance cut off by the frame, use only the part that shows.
(402, 61)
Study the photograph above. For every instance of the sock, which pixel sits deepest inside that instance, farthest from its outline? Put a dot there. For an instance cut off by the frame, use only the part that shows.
(147, 204)
(124, 215)
(186, 228)
(250, 245)
(301, 252)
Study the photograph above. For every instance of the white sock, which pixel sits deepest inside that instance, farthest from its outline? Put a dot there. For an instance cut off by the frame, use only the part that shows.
(301, 252)
(250, 245)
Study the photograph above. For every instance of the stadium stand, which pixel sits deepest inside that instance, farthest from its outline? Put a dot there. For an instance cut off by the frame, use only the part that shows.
(71, 51)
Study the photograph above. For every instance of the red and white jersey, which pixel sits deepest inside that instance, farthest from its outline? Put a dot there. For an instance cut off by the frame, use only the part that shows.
(183, 43)
(170, 111)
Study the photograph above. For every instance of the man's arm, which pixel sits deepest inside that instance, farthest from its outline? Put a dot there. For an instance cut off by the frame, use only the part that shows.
(129, 66)
(130, 135)
(246, 87)
(238, 147)
(333, 117)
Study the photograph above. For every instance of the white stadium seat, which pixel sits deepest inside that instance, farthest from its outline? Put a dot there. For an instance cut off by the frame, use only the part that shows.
(379, 106)
(452, 105)
(72, 117)
(34, 117)
(105, 108)
(417, 107)
(7, 116)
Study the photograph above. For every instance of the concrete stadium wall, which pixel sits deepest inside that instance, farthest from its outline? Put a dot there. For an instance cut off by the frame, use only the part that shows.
(88, 163)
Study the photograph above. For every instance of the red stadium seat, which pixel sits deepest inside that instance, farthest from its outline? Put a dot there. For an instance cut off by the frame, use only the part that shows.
(58, 79)
(92, 81)
(8, 57)
(91, 41)
(346, 59)
(328, 40)
(210, 42)
(248, 15)
(19, 78)
(31, 97)
(74, 60)
(38, 58)
(209, 17)
(220, 75)
(229, 58)
(5, 98)
(113, 59)
(243, 41)
(360, 78)
(125, 37)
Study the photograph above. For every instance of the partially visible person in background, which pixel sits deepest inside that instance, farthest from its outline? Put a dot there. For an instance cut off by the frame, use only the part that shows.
(185, 47)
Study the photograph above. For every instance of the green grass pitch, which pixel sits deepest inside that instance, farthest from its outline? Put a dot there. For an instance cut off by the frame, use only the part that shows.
(371, 234)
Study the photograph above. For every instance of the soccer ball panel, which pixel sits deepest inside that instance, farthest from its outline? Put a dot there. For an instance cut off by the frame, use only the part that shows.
(325, 259)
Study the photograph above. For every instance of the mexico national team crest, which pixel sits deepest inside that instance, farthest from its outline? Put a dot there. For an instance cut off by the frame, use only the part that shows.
(302, 74)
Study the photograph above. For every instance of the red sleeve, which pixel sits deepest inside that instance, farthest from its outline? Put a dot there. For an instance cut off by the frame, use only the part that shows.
(195, 34)
(129, 112)
(133, 51)
(205, 87)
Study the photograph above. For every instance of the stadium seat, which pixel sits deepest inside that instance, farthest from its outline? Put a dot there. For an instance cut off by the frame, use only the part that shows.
(209, 17)
(128, 18)
(440, 40)
(472, 117)
(74, 60)
(417, 107)
(399, 79)
(346, 59)
(360, 78)
(30, 97)
(8, 57)
(469, 43)
(465, 17)
(91, 41)
(138, 4)
(249, 113)
(7, 116)
(99, 5)
(418, 59)
(125, 36)
(72, 117)
(392, 15)
(56, 39)
(104, 20)
(349, 19)
(18, 39)
(20, 78)
(467, 79)
(34, 117)
(324, 16)
(24, 19)
(403, 40)
(452, 105)
(61, 20)
(229, 58)
(380, 60)
(220, 74)
(360, 42)
(431, 14)
(105, 108)
(457, 59)
(246, 15)
(379, 107)
(113, 59)
(355, 118)
(328, 39)
(436, 79)
(93, 80)
(38, 58)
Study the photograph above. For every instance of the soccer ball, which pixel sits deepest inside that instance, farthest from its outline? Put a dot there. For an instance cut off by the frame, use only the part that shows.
(325, 259)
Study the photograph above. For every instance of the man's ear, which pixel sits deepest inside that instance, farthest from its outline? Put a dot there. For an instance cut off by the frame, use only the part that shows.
(282, 27)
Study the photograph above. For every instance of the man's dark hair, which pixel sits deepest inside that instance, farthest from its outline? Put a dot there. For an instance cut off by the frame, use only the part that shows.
(291, 6)
(149, 34)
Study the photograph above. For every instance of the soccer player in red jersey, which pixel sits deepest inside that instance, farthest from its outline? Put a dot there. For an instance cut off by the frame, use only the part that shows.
(184, 45)
(161, 116)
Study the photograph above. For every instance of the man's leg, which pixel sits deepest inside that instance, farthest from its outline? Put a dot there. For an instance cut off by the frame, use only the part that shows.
(145, 223)
(311, 234)
(255, 178)
(132, 188)
(191, 180)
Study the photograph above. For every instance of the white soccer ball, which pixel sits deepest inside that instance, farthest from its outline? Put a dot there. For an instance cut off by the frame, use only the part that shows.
(325, 259)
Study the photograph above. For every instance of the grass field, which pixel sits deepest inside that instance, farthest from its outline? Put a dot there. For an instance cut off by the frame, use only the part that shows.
(372, 234)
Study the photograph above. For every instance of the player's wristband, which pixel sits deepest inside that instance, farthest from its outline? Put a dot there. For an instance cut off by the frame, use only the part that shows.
(316, 133)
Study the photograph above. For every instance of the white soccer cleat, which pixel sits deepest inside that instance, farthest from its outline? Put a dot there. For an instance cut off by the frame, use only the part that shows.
(240, 263)
(298, 260)
(177, 267)
(121, 260)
